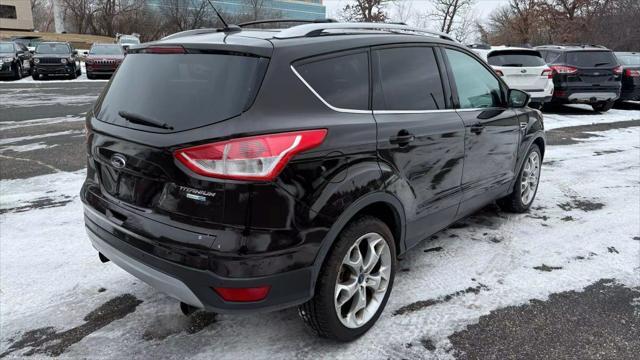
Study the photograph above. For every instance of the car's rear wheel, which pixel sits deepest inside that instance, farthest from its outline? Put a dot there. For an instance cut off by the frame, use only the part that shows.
(526, 186)
(17, 71)
(603, 106)
(354, 283)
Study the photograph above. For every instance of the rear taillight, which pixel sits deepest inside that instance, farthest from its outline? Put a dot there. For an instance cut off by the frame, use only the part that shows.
(243, 294)
(563, 69)
(548, 73)
(251, 158)
(632, 73)
(499, 72)
(617, 70)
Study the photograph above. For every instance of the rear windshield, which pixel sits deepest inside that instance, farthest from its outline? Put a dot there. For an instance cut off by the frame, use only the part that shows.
(591, 59)
(106, 50)
(53, 49)
(184, 91)
(629, 59)
(515, 58)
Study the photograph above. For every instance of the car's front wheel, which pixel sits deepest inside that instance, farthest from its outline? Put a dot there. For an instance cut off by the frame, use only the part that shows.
(526, 186)
(354, 283)
(17, 72)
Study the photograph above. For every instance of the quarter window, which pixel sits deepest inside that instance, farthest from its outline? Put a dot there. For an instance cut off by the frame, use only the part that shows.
(477, 87)
(407, 78)
(342, 81)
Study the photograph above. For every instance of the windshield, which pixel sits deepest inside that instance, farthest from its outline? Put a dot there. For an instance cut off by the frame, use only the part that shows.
(184, 91)
(129, 41)
(6, 47)
(106, 50)
(591, 59)
(629, 59)
(522, 58)
(53, 49)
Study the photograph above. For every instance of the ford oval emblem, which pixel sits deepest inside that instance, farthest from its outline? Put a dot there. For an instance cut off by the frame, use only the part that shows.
(118, 161)
(523, 71)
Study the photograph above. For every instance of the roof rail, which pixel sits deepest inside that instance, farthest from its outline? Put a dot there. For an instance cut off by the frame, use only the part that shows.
(272, 21)
(308, 30)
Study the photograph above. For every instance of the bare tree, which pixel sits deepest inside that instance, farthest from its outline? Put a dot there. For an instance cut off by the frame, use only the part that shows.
(42, 11)
(448, 12)
(402, 11)
(181, 15)
(366, 11)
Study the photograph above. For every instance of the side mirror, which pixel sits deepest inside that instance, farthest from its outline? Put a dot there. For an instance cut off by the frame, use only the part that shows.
(518, 98)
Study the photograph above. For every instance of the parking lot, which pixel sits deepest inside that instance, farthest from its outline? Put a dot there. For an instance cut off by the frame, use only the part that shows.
(562, 279)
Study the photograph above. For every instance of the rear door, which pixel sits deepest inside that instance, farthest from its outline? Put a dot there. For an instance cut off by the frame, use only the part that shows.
(419, 135)
(521, 69)
(594, 69)
(492, 131)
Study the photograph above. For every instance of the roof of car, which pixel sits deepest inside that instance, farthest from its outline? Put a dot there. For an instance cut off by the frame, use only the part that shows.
(573, 47)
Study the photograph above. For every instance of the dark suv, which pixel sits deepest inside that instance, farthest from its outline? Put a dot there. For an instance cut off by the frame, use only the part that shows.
(15, 60)
(267, 169)
(584, 74)
(55, 59)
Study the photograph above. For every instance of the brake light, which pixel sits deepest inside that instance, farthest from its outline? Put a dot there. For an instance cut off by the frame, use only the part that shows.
(252, 158)
(632, 73)
(243, 294)
(563, 69)
(499, 72)
(548, 73)
(164, 50)
(617, 70)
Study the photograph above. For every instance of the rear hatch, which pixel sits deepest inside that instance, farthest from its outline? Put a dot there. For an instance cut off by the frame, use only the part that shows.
(520, 69)
(160, 95)
(631, 69)
(594, 69)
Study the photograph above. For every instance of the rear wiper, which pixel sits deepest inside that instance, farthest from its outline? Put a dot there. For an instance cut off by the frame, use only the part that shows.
(600, 64)
(139, 119)
(512, 65)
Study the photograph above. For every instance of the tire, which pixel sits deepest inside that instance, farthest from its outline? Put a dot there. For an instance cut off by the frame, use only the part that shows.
(79, 70)
(35, 75)
(17, 72)
(74, 74)
(90, 76)
(603, 106)
(321, 313)
(517, 202)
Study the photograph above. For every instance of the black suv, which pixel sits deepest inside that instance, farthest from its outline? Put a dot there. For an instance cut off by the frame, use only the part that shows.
(583, 74)
(15, 60)
(56, 59)
(630, 62)
(267, 169)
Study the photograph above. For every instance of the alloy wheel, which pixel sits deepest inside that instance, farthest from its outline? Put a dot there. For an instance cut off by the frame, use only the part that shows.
(529, 178)
(362, 280)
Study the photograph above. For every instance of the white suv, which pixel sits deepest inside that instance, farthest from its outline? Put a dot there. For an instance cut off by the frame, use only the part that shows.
(522, 69)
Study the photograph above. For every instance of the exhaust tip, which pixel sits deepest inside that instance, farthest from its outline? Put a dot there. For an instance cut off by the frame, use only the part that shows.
(103, 258)
(187, 309)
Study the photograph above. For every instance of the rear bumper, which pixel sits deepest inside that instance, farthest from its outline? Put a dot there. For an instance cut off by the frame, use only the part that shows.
(192, 285)
(585, 96)
(6, 69)
(100, 71)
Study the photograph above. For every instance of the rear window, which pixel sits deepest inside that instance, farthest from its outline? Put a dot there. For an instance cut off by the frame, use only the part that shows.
(184, 91)
(515, 58)
(591, 59)
(629, 59)
(6, 47)
(342, 81)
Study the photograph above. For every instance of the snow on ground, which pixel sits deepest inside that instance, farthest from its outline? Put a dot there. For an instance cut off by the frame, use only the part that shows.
(581, 229)
(584, 115)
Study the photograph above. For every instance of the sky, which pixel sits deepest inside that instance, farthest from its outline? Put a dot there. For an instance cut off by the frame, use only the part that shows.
(482, 8)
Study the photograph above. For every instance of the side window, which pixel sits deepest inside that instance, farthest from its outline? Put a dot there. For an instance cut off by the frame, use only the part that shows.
(551, 57)
(477, 87)
(342, 81)
(407, 78)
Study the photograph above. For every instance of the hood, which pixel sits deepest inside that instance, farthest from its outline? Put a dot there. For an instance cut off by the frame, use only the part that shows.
(106, 57)
(59, 56)
(3, 55)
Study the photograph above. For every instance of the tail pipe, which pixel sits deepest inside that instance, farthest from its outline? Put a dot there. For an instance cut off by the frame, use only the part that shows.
(103, 258)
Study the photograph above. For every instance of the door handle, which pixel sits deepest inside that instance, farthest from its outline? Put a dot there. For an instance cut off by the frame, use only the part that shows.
(403, 138)
(477, 129)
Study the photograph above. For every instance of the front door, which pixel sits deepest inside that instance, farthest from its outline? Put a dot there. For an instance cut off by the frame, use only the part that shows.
(420, 137)
(492, 131)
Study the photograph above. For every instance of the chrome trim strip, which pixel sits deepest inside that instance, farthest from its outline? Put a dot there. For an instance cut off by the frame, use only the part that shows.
(352, 111)
(386, 112)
